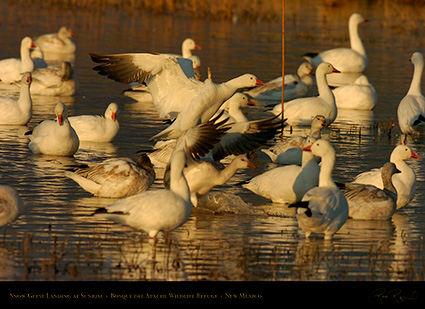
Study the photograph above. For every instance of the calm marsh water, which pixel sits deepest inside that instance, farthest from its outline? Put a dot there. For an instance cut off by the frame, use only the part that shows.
(56, 238)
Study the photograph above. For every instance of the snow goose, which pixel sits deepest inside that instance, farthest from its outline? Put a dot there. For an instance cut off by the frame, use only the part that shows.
(12, 68)
(404, 182)
(115, 177)
(202, 176)
(289, 151)
(297, 85)
(366, 202)
(360, 95)
(232, 108)
(17, 111)
(54, 137)
(58, 42)
(94, 128)
(54, 81)
(411, 109)
(287, 184)
(203, 106)
(323, 209)
(187, 46)
(155, 210)
(300, 111)
(352, 59)
(10, 204)
(171, 89)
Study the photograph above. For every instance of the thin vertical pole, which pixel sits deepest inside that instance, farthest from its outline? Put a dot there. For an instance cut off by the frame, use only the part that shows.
(283, 60)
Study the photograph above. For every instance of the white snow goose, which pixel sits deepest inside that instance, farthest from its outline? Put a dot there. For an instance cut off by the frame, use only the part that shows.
(12, 68)
(366, 202)
(404, 182)
(287, 184)
(155, 210)
(297, 85)
(411, 109)
(115, 177)
(351, 60)
(94, 128)
(361, 95)
(289, 150)
(54, 137)
(11, 205)
(300, 112)
(172, 91)
(323, 209)
(54, 81)
(59, 42)
(17, 111)
(202, 176)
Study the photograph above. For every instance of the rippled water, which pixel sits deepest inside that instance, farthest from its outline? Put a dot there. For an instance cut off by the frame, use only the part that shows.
(56, 238)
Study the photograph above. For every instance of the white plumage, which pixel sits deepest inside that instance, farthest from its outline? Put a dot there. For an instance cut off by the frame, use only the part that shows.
(300, 112)
(94, 128)
(12, 68)
(287, 184)
(404, 182)
(17, 111)
(59, 42)
(323, 209)
(11, 205)
(411, 109)
(353, 59)
(54, 137)
(154, 211)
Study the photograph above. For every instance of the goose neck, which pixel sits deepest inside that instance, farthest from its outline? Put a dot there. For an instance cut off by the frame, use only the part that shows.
(355, 40)
(415, 85)
(325, 176)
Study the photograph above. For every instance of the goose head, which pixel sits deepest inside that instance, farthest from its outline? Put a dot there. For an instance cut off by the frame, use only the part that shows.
(326, 68)
(320, 148)
(357, 19)
(61, 112)
(189, 44)
(111, 111)
(27, 43)
(26, 78)
(403, 152)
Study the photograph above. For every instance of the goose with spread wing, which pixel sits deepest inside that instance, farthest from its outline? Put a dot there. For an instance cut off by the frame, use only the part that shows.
(172, 91)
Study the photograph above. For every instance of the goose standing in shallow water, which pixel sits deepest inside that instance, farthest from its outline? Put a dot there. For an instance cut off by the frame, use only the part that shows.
(54, 137)
(404, 182)
(17, 111)
(350, 60)
(116, 177)
(156, 210)
(299, 112)
(94, 128)
(10, 204)
(323, 209)
(366, 202)
(411, 109)
(12, 68)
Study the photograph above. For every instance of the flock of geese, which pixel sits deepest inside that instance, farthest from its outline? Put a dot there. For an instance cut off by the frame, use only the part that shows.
(209, 139)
